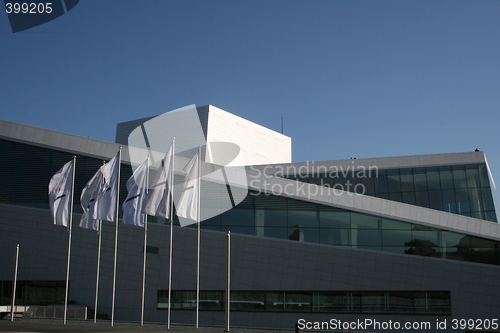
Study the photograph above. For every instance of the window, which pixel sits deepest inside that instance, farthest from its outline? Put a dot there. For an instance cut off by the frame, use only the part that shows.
(381, 302)
(33, 292)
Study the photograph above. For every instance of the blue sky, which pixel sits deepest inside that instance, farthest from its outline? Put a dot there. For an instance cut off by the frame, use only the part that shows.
(351, 78)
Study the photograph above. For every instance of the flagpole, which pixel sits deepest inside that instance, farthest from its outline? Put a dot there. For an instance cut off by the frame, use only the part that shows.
(70, 227)
(99, 226)
(198, 203)
(228, 285)
(15, 284)
(99, 238)
(171, 189)
(116, 238)
(144, 270)
(145, 246)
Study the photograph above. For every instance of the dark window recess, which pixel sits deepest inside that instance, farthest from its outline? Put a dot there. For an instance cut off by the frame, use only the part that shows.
(152, 249)
(33, 292)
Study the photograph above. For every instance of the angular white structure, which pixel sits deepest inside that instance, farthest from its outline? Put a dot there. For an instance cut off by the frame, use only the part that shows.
(258, 144)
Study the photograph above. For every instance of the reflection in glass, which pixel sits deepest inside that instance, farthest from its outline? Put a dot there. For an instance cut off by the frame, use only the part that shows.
(393, 180)
(400, 302)
(407, 181)
(472, 175)
(373, 302)
(304, 218)
(356, 302)
(420, 179)
(336, 237)
(380, 182)
(396, 237)
(459, 177)
(446, 176)
(433, 181)
(334, 218)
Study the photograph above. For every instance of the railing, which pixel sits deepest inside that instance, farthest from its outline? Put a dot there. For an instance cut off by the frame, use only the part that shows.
(49, 311)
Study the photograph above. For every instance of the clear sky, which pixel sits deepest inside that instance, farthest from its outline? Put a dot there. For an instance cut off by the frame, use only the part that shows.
(351, 78)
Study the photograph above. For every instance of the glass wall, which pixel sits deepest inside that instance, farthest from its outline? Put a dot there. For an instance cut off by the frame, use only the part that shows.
(458, 189)
(374, 302)
(279, 217)
(25, 172)
(33, 292)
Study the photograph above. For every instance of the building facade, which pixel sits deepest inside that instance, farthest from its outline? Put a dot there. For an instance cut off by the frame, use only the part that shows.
(370, 242)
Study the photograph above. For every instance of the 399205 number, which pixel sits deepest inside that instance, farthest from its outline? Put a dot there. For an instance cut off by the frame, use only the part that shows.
(28, 8)
(474, 324)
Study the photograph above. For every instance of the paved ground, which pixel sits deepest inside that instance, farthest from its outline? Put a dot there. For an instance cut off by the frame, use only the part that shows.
(56, 325)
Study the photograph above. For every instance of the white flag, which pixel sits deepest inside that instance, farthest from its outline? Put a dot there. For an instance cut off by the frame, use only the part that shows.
(105, 206)
(188, 202)
(160, 194)
(136, 186)
(60, 187)
(87, 200)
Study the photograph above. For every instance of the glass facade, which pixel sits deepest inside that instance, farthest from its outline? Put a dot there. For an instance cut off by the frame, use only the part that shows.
(279, 217)
(373, 302)
(33, 292)
(458, 189)
(25, 171)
